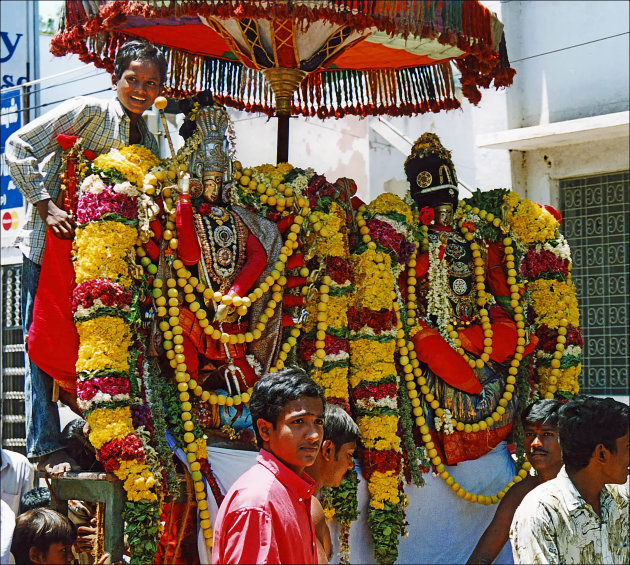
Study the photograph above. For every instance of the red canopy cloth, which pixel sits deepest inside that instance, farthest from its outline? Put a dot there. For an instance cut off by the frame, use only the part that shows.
(359, 57)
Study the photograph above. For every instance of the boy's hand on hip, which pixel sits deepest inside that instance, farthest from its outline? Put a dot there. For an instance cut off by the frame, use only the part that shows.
(57, 220)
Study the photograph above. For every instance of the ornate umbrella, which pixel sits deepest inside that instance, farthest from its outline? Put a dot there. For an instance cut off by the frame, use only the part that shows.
(320, 58)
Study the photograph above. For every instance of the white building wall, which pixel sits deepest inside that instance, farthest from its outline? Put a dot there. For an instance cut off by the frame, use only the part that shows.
(572, 62)
(565, 68)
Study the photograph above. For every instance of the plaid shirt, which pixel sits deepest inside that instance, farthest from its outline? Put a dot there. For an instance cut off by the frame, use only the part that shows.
(35, 158)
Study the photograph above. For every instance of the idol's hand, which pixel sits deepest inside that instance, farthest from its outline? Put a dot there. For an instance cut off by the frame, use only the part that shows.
(184, 184)
(223, 311)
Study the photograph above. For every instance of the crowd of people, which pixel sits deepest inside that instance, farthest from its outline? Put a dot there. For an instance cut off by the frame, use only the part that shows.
(574, 509)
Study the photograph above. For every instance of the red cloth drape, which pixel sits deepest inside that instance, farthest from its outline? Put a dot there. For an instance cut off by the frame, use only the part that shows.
(53, 341)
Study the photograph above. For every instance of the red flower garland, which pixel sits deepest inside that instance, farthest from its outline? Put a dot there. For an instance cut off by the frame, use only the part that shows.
(381, 461)
(126, 449)
(376, 392)
(333, 345)
(110, 293)
(106, 385)
(537, 262)
(379, 321)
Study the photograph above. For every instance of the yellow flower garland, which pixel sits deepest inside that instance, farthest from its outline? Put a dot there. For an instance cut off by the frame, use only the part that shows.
(383, 487)
(370, 373)
(131, 162)
(338, 311)
(553, 301)
(530, 222)
(107, 424)
(387, 202)
(102, 251)
(379, 432)
(137, 480)
(334, 382)
(103, 344)
(372, 352)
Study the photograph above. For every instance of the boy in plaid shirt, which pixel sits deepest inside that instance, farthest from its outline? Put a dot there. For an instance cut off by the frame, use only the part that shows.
(35, 160)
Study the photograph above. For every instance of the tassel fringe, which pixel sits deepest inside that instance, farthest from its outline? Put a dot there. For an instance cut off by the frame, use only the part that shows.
(325, 93)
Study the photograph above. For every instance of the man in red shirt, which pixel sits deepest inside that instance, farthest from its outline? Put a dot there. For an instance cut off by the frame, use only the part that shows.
(266, 515)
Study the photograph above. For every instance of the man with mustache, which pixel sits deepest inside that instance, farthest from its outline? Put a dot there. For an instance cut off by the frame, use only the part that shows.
(581, 516)
(540, 428)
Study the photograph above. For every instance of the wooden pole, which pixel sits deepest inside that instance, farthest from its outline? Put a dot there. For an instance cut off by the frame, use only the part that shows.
(283, 140)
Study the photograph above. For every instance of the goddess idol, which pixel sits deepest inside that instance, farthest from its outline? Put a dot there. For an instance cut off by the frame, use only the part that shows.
(231, 250)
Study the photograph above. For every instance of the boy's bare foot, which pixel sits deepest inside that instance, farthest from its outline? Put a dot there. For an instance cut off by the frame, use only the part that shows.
(57, 463)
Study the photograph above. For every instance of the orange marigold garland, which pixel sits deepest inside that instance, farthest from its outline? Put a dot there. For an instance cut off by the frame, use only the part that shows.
(110, 367)
(374, 376)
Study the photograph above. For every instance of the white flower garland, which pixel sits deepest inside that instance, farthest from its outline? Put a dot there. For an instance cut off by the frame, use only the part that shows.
(125, 188)
(102, 397)
(334, 357)
(559, 247)
(93, 184)
(82, 312)
(438, 304)
(371, 403)
(445, 422)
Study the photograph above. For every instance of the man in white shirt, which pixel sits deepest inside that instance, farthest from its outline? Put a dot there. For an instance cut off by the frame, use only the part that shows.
(16, 478)
(581, 516)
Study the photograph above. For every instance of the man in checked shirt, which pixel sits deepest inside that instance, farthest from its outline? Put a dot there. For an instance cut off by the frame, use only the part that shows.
(35, 160)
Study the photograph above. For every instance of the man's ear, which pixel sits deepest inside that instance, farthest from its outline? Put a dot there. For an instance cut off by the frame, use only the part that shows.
(35, 555)
(114, 82)
(264, 428)
(600, 453)
(328, 450)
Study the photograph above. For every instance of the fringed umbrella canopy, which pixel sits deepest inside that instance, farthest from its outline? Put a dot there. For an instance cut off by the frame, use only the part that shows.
(320, 58)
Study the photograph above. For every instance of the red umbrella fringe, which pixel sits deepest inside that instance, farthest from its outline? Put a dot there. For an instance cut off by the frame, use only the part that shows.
(325, 94)
(336, 93)
(455, 20)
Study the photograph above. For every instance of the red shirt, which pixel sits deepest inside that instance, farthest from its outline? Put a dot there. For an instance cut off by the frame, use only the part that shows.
(266, 517)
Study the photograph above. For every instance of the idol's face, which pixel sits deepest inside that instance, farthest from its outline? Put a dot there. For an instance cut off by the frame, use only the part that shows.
(212, 182)
(443, 215)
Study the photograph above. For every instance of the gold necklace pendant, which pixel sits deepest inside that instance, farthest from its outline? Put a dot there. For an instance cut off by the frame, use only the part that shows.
(219, 215)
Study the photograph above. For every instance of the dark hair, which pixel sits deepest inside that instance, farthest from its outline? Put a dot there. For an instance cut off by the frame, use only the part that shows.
(586, 422)
(186, 106)
(274, 391)
(339, 427)
(39, 528)
(544, 411)
(38, 497)
(139, 50)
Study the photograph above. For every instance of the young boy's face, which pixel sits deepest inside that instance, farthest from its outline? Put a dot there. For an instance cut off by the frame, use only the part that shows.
(138, 86)
(339, 464)
(58, 553)
(297, 435)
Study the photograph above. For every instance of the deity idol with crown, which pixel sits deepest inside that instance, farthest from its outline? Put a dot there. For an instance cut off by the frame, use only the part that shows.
(231, 250)
(466, 335)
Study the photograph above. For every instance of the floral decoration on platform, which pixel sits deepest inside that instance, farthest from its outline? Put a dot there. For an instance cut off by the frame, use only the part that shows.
(543, 272)
(111, 365)
(318, 291)
(373, 371)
